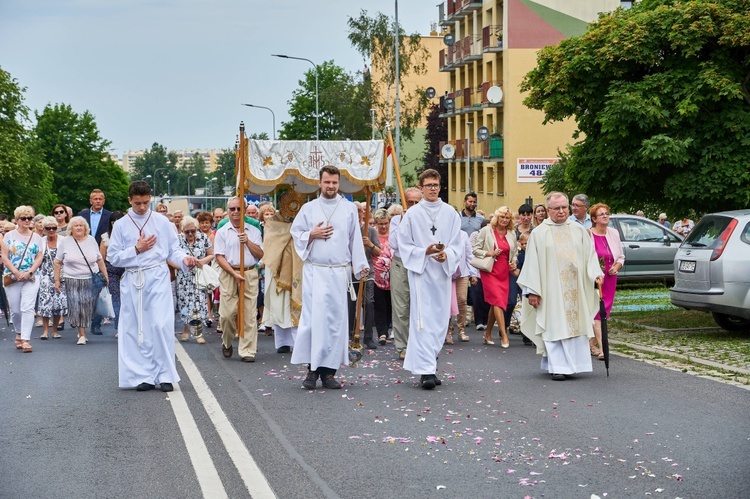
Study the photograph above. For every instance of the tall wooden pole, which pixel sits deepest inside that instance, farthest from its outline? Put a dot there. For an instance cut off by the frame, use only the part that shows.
(396, 170)
(240, 176)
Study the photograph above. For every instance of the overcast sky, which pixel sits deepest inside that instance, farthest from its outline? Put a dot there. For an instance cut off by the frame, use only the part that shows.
(176, 71)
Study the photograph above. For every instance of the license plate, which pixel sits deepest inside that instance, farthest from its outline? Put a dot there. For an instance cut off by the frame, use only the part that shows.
(687, 266)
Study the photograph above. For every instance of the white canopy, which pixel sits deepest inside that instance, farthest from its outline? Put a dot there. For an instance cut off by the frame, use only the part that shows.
(298, 162)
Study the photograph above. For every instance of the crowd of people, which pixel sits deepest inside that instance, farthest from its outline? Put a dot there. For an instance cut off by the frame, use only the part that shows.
(427, 271)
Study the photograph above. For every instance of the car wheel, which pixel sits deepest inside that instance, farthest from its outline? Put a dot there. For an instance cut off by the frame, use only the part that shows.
(731, 322)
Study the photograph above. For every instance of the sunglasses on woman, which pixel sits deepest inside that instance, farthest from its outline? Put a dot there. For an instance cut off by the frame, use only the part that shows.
(50, 228)
(26, 219)
(58, 212)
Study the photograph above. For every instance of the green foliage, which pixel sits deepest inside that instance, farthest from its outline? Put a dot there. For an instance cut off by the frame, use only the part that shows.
(26, 178)
(660, 96)
(373, 38)
(343, 100)
(71, 145)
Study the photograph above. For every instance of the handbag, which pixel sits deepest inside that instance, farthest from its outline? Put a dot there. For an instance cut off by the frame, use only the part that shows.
(206, 278)
(98, 282)
(484, 264)
(104, 304)
(9, 279)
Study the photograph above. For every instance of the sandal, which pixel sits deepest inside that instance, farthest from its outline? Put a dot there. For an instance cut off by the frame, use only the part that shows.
(600, 356)
(56, 336)
(26, 347)
(382, 339)
(595, 352)
(19, 343)
(44, 337)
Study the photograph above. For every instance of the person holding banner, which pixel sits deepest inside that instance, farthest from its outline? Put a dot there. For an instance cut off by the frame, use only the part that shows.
(430, 244)
(328, 239)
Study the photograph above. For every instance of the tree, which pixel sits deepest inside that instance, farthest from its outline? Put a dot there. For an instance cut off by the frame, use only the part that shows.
(71, 145)
(343, 100)
(660, 96)
(373, 38)
(26, 178)
(157, 159)
(437, 132)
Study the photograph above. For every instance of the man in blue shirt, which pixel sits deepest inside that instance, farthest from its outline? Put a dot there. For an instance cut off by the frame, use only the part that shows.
(580, 208)
(471, 221)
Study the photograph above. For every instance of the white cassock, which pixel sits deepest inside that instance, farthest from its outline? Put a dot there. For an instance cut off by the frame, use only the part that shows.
(146, 330)
(323, 332)
(429, 280)
(561, 267)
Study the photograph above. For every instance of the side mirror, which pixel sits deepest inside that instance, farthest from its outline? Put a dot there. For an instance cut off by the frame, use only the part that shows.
(667, 241)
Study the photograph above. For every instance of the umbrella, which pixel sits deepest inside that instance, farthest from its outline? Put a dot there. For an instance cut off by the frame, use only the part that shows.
(4, 304)
(603, 317)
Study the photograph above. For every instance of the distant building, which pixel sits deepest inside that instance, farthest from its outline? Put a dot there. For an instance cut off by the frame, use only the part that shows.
(495, 43)
(209, 156)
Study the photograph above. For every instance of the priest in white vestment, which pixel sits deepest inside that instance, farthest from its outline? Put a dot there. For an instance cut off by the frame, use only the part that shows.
(558, 283)
(328, 239)
(430, 244)
(142, 241)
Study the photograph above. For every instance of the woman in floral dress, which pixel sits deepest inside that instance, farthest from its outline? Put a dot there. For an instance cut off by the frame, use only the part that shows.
(189, 297)
(51, 304)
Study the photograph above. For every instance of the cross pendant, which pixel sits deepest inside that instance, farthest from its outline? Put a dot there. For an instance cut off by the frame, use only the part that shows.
(433, 229)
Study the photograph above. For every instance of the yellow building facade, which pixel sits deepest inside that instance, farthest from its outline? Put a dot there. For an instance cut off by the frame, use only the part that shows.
(492, 45)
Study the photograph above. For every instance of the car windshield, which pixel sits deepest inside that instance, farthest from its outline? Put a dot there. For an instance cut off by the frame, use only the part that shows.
(707, 232)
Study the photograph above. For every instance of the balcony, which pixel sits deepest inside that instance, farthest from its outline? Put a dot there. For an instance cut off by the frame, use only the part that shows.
(490, 150)
(464, 51)
(452, 10)
(492, 39)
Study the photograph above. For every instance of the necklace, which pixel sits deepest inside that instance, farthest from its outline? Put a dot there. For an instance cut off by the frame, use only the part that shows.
(432, 219)
(327, 216)
(140, 228)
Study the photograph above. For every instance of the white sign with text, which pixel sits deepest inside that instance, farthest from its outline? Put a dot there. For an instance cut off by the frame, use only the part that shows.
(532, 169)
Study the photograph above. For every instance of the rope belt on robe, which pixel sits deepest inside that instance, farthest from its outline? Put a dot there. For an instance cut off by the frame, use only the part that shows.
(352, 293)
(138, 279)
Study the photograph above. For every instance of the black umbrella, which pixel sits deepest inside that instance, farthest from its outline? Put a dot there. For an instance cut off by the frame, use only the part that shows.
(4, 304)
(603, 317)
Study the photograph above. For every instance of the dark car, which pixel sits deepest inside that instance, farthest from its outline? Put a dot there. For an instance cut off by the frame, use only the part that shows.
(712, 269)
(649, 248)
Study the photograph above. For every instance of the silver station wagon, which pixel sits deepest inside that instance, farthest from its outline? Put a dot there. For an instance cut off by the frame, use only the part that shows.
(649, 248)
(712, 269)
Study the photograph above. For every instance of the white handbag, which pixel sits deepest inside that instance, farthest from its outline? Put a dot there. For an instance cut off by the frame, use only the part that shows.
(206, 278)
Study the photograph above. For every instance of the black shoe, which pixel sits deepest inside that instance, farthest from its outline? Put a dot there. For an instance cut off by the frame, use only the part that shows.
(61, 326)
(227, 352)
(310, 380)
(97, 331)
(284, 349)
(437, 380)
(558, 377)
(370, 343)
(144, 387)
(166, 387)
(527, 341)
(209, 323)
(427, 381)
(330, 382)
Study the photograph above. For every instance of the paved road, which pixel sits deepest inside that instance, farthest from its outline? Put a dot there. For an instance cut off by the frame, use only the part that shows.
(496, 428)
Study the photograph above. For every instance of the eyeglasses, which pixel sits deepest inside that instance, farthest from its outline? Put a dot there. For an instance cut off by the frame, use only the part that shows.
(26, 219)
(577, 205)
(50, 228)
(602, 214)
(190, 231)
(557, 208)
(431, 186)
(58, 212)
(234, 208)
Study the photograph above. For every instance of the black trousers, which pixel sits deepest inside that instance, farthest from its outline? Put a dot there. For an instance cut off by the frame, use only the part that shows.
(382, 310)
(368, 304)
(481, 308)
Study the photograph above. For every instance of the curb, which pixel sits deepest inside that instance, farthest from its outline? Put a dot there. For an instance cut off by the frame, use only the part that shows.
(688, 358)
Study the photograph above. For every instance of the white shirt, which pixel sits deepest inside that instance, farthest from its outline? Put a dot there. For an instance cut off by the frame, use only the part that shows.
(227, 244)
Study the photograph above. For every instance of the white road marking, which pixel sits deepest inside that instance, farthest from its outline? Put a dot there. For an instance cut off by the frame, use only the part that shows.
(205, 471)
(255, 483)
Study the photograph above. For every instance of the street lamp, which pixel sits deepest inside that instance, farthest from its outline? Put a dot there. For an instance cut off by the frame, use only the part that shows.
(317, 109)
(169, 187)
(144, 178)
(208, 181)
(189, 177)
(156, 173)
(272, 114)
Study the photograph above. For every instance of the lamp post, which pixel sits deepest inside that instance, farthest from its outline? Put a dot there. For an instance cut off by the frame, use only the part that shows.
(317, 109)
(188, 194)
(208, 181)
(468, 156)
(169, 187)
(144, 178)
(272, 114)
(156, 173)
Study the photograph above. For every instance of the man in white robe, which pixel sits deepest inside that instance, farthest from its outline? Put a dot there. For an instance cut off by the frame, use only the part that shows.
(327, 238)
(558, 280)
(430, 244)
(142, 242)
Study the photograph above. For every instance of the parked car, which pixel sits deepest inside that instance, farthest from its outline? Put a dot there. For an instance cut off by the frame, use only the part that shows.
(712, 269)
(649, 248)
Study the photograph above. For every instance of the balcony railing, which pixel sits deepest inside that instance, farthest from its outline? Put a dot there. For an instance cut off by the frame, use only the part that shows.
(492, 38)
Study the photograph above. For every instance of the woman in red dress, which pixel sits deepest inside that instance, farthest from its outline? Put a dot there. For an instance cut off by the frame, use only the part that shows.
(497, 241)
